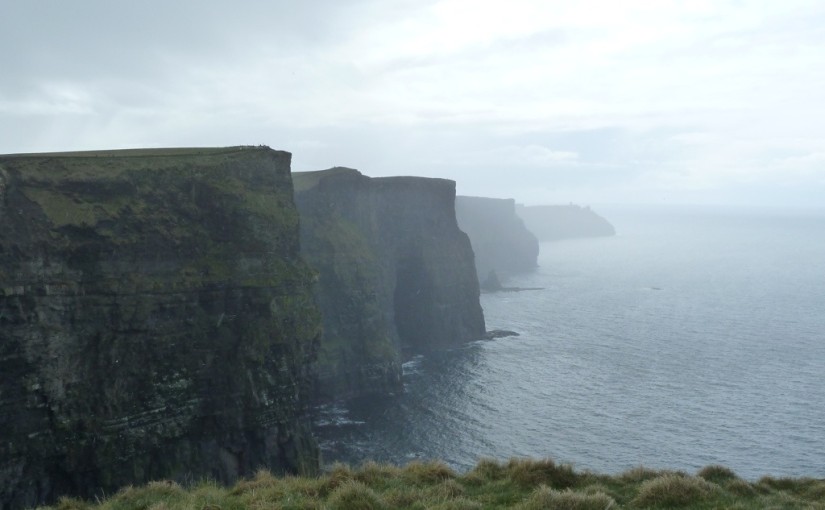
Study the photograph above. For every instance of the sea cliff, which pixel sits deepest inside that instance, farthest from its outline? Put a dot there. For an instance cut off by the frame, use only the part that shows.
(555, 222)
(499, 238)
(396, 274)
(156, 320)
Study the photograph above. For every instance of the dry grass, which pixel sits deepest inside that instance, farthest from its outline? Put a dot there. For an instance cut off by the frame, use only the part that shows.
(672, 491)
(519, 483)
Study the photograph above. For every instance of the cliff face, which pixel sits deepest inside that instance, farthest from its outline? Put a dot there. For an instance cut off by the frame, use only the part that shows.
(395, 273)
(500, 240)
(156, 320)
(555, 222)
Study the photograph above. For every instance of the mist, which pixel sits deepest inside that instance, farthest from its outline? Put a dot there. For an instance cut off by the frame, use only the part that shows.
(572, 238)
(709, 103)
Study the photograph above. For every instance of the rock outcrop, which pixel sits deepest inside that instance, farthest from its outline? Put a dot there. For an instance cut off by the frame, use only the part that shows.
(156, 320)
(500, 240)
(396, 274)
(556, 222)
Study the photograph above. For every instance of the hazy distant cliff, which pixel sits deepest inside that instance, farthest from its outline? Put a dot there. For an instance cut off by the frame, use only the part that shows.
(554, 222)
(155, 320)
(395, 273)
(500, 240)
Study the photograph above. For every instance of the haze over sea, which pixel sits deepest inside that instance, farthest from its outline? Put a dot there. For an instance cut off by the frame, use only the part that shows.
(692, 337)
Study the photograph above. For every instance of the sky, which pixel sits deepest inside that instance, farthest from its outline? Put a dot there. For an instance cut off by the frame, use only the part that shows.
(718, 102)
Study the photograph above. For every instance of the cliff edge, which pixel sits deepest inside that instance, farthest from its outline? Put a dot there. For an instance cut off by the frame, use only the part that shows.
(156, 320)
(396, 274)
(556, 222)
(500, 240)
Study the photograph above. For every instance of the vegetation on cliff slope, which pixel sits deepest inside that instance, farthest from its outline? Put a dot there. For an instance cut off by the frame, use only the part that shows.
(156, 320)
(395, 272)
(521, 484)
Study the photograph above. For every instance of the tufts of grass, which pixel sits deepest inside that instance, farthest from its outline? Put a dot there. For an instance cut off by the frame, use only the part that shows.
(716, 474)
(66, 503)
(338, 475)
(404, 497)
(672, 491)
(739, 487)
(521, 484)
(640, 474)
(485, 471)
(161, 494)
(456, 504)
(354, 495)
(806, 489)
(263, 480)
(527, 473)
(446, 490)
(374, 474)
(544, 497)
(815, 491)
(427, 473)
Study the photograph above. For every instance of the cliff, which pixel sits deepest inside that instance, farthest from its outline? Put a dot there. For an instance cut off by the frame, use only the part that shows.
(396, 274)
(555, 222)
(156, 320)
(500, 240)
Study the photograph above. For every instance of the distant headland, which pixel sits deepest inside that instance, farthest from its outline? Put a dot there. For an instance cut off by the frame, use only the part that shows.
(556, 222)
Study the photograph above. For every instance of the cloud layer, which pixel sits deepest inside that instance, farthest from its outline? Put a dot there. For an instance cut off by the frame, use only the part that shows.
(591, 101)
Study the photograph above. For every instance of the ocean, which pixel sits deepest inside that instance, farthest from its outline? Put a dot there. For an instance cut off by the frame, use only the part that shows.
(692, 337)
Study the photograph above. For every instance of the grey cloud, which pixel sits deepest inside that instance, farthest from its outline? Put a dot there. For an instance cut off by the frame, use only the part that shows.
(84, 39)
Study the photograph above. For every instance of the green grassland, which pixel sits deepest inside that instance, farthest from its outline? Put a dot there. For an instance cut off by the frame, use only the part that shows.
(520, 484)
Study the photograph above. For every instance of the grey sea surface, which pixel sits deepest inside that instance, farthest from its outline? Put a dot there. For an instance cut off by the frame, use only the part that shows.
(690, 338)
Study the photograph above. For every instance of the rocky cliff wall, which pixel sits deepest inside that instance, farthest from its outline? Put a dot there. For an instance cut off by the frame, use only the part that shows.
(156, 320)
(500, 240)
(555, 222)
(396, 274)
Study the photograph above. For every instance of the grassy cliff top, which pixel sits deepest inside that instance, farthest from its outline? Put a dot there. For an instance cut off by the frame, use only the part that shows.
(54, 167)
(521, 484)
(303, 181)
(132, 153)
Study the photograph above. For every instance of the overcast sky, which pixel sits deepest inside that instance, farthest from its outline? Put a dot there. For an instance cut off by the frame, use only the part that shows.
(589, 101)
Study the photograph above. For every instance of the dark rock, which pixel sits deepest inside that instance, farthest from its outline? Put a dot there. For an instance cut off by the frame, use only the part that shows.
(491, 283)
(499, 333)
(395, 273)
(156, 321)
(500, 240)
(512, 289)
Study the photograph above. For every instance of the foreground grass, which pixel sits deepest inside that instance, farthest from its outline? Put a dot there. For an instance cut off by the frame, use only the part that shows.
(519, 484)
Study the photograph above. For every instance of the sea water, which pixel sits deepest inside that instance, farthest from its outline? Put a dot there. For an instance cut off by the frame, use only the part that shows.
(690, 338)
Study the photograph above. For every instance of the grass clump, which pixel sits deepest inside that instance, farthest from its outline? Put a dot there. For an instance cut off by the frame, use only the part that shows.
(486, 470)
(672, 491)
(352, 495)
(457, 504)
(716, 474)
(520, 483)
(544, 497)
(374, 474)
(427, 473)
(530, 473)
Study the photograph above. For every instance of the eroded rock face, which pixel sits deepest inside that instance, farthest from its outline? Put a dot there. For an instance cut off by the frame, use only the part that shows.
(156, 320)
(500, 240)
(396, 273)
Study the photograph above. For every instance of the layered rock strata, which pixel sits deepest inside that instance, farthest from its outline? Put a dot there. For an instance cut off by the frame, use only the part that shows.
(396, 274)
(156, 320)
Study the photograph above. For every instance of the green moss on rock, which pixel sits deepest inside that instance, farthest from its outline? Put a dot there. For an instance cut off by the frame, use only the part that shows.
(395, 274)
(157, 320)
